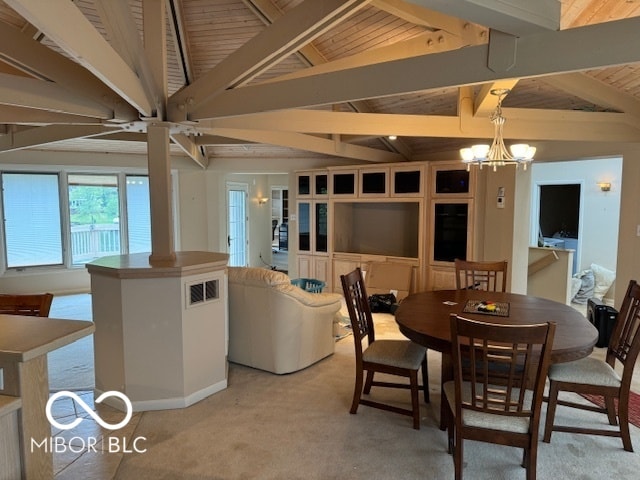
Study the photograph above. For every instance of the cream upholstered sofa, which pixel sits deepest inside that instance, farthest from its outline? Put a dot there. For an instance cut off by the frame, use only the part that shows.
(276, 326)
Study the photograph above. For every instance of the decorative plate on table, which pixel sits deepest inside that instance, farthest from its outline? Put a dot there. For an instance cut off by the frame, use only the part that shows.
(487, 307)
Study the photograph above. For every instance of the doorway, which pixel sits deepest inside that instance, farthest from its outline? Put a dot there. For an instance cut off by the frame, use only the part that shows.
(559, 219)
(237, 224)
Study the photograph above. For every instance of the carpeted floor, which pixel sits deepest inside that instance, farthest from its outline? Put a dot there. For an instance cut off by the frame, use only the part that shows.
(298, 426)
(634, 405)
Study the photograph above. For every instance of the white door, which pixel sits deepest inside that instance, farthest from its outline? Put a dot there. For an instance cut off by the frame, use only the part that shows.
(237, 220)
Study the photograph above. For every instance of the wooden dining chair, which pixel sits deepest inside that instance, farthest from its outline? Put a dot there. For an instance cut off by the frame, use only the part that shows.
(590, 375)
(489, 276)
(35, 305)
(396, 357)
(499, 380)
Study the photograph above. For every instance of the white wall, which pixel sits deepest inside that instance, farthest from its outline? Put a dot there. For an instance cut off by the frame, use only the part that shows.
(599, 212)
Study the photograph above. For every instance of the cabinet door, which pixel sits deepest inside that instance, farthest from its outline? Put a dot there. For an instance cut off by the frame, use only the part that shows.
(303, 185)
(344, 183)
(451, 231)
(451, 179)
(407, 181)
(321, 185)
(304, 227)
(305, 266)
(321, 227)
(442, 278)
(322, 272)
(374, 182)
(342, 267)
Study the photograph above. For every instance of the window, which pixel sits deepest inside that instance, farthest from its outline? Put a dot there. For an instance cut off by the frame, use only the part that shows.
(96, 219)
(33, 232)
(138, 214)
(94, 216)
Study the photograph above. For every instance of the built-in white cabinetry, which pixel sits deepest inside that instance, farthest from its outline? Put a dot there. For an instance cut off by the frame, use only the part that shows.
(313, 225)
(414, 212)
(451, 221)
(370, 213)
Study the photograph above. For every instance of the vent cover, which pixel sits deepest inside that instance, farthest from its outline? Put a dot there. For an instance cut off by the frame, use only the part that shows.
(202, 292)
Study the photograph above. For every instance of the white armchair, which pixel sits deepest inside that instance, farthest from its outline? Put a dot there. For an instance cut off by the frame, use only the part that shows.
(276, 326)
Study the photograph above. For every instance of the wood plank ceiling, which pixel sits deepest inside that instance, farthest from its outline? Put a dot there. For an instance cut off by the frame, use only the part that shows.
(285, 79)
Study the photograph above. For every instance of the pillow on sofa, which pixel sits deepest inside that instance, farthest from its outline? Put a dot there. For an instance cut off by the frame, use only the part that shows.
(586, 289)
(604, 278)
(576, 283)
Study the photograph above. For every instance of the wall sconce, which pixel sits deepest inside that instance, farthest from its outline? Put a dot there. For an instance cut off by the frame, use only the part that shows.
(262, 200)
(604, 186)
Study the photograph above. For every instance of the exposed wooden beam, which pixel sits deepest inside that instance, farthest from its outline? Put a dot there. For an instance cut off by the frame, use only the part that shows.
(309, 143)
(485, 102)
(466, 31)
(154, 19)
(423, 44)
(530, 124)
(124, 37)
(188, 146)
(44, 135)
(297, 27)
(597, 92)
(86, 45)
(42, 62)
(516, 17)
(30, 116)
(32, 93)
(575, 49)
(269, 13)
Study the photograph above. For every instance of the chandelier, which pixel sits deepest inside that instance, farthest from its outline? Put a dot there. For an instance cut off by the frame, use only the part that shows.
(496, 154)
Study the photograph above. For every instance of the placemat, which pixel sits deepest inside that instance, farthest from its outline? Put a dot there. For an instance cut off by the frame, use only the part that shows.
(485, 307)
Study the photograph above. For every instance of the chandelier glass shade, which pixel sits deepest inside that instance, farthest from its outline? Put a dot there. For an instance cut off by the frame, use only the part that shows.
(497, 154)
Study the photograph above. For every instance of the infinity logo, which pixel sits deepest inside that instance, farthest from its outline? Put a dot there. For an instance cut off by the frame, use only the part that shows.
(79, 401)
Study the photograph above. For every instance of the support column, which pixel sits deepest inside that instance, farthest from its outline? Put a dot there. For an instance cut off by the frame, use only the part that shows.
(159, 159)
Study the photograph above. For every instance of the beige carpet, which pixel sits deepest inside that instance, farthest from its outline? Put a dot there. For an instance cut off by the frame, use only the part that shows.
(298, 426)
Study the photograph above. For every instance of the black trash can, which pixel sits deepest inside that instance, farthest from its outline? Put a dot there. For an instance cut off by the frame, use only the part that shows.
(603, 317)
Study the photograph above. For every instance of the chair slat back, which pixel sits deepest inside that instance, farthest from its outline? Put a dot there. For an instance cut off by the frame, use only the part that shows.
(488, 276)
(355, 295)
(36, 305)
(504, 366)
(624, 345)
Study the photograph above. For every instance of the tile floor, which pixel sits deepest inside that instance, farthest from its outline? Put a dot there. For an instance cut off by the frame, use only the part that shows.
(89, 451)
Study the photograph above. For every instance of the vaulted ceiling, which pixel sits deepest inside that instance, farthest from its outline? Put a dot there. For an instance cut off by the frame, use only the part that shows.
(280, 78)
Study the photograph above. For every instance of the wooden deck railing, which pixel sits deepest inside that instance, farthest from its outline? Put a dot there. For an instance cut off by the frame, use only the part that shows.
(89, 242)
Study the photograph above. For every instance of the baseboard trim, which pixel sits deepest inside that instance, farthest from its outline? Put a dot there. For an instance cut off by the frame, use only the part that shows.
(165, 403)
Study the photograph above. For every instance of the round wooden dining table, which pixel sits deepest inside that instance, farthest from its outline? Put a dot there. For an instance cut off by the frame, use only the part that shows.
(424, 318)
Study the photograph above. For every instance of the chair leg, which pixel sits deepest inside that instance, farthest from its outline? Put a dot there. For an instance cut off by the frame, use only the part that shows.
(623, 414)
(551, 411)
(458, 452)
(425, 379)
(357, 392)
(531, 455)
(450, 421)
(414, 399)
(369, 382)
(611, 409)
